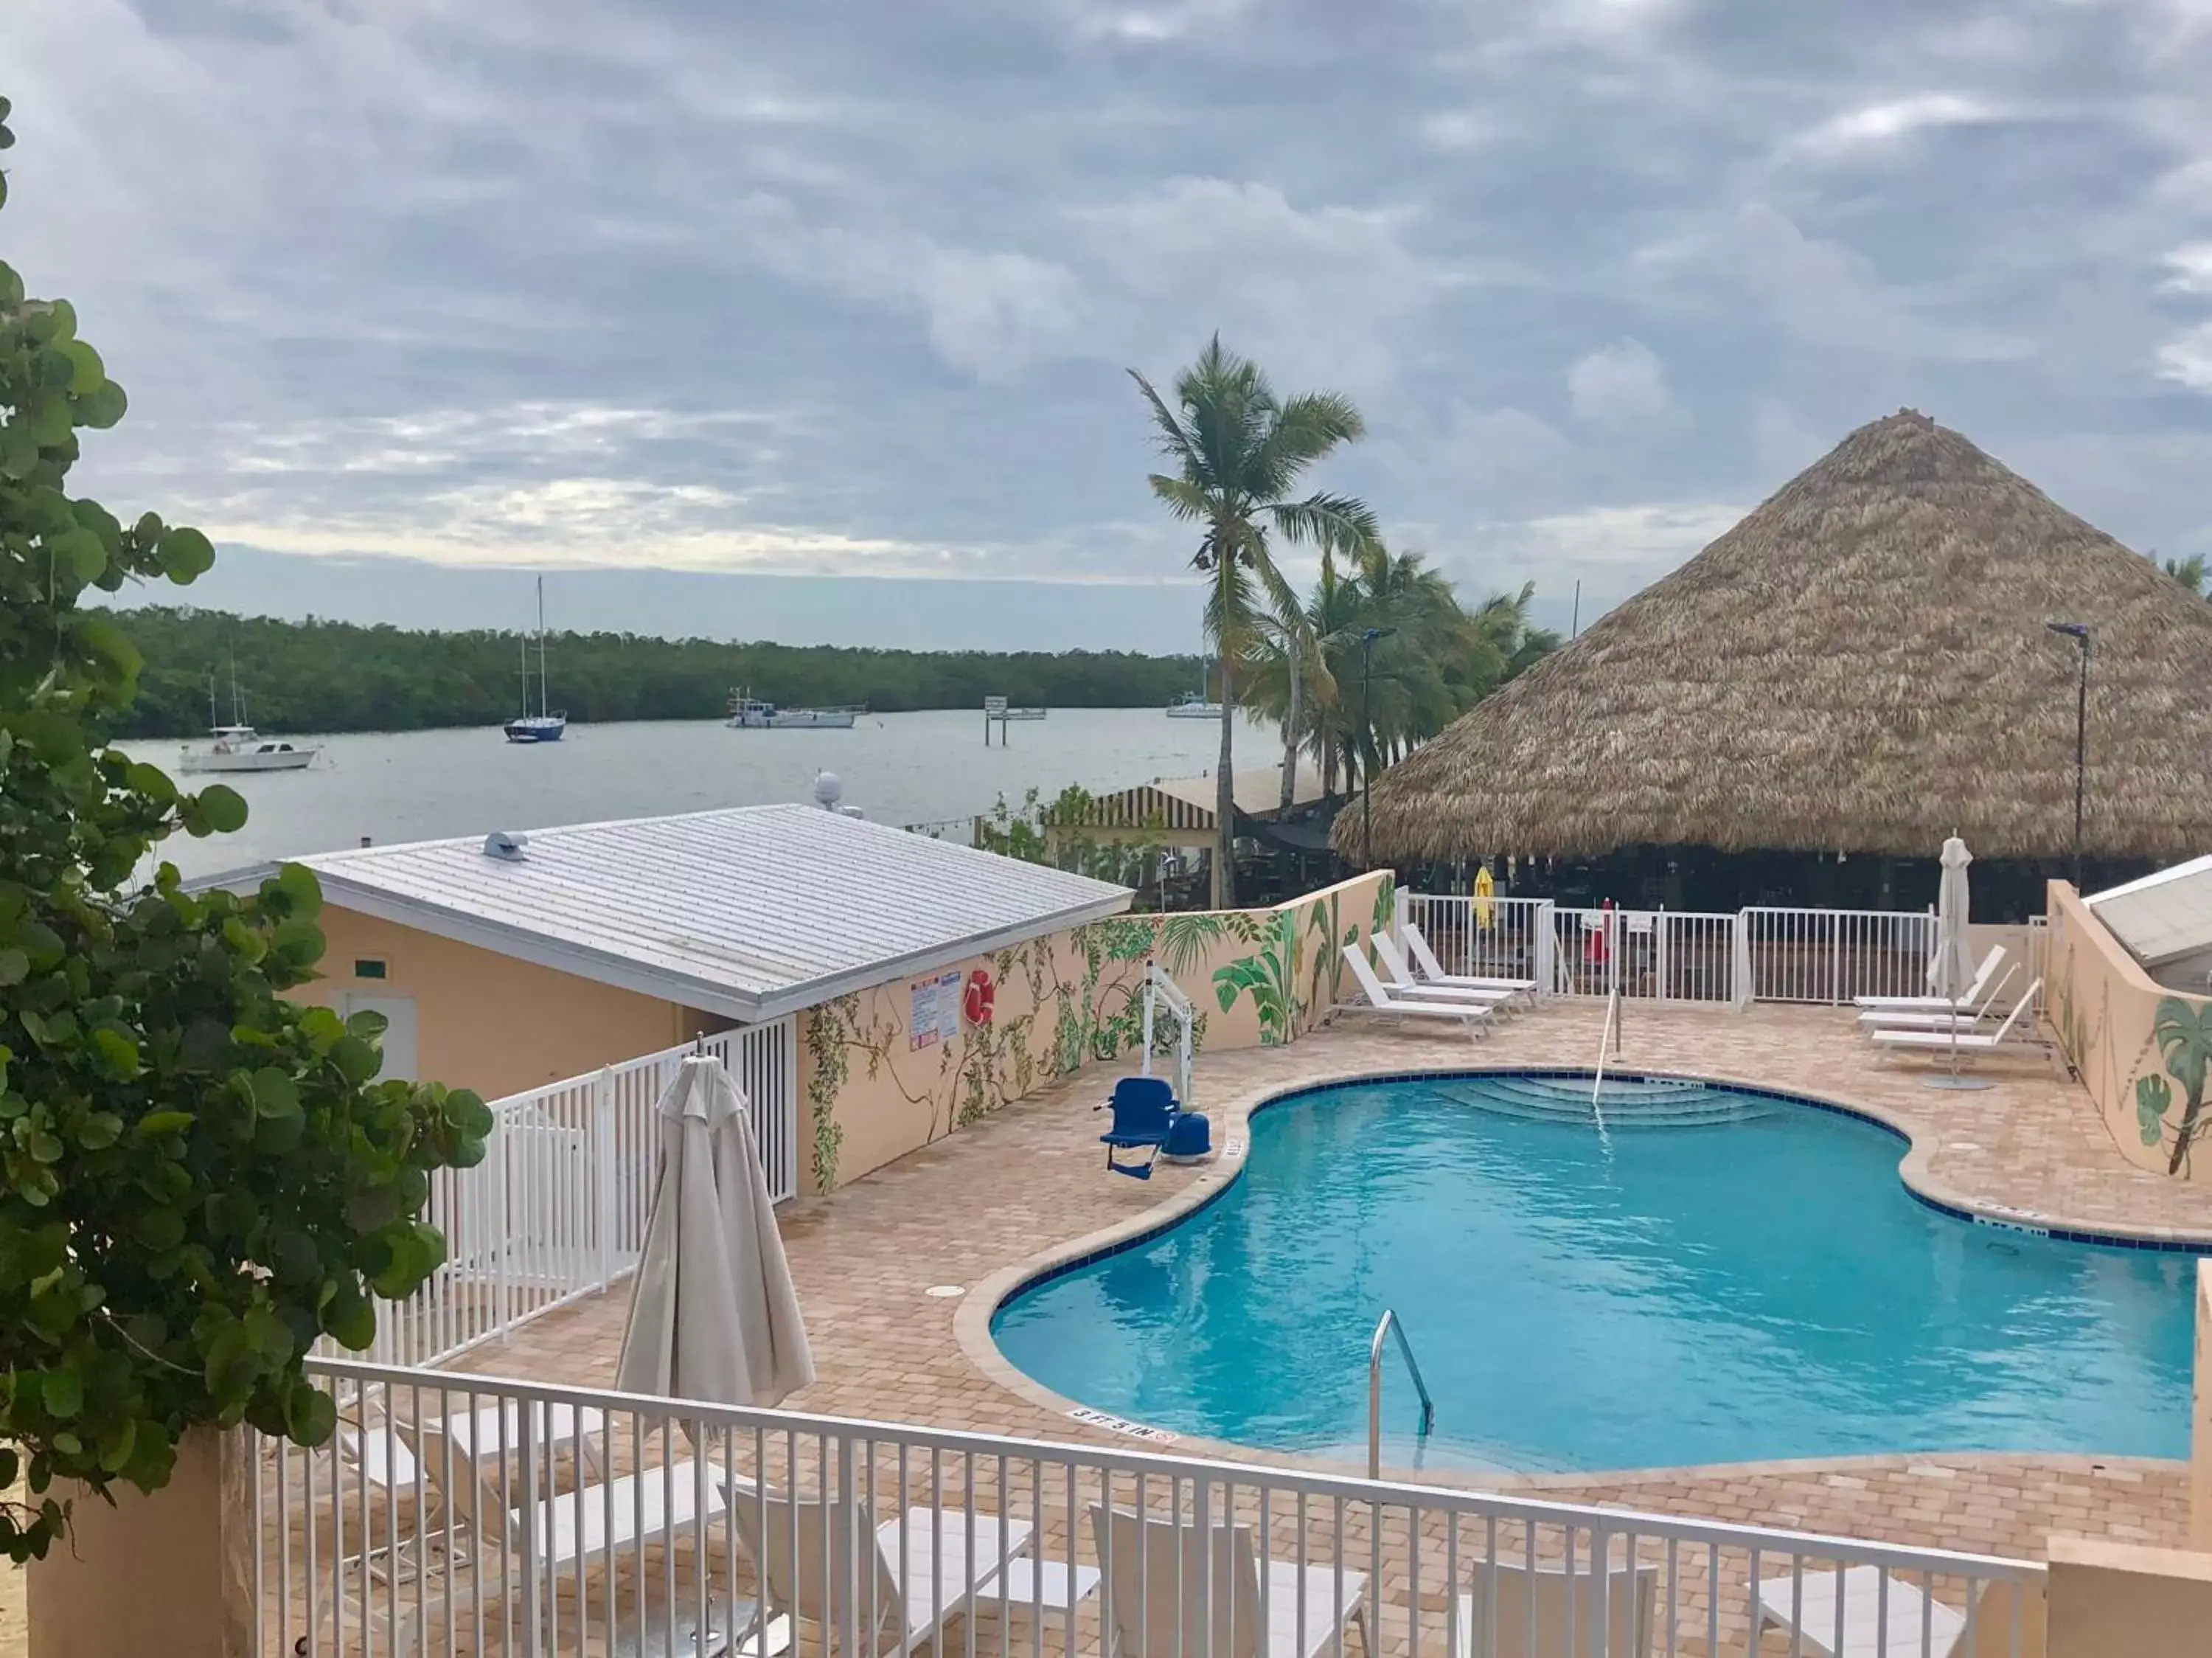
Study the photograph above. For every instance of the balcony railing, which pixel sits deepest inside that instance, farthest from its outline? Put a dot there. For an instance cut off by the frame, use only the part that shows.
(557, 1208)
(460, 1514)
(1763, 953)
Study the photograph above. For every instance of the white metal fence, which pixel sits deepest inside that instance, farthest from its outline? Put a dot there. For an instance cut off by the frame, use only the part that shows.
(1763, 953)
(459, 1514)
(557, 1208)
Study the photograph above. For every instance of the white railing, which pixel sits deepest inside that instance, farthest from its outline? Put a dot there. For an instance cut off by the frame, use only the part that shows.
(462, 1513)
(1764, 953)
(557, 1208)
(1485, 937)
(1829, 956)
(1644, 956)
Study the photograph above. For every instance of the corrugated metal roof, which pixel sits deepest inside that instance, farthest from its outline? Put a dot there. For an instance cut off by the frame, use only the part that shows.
(750, 912)
(2165, 916)
(1188, 803)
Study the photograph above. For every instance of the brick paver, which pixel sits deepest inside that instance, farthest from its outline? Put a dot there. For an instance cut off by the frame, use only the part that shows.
(970, 1209)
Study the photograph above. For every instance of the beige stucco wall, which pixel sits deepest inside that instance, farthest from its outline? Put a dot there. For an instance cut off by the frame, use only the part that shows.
(488, 1022)
(2119, 1601)
(1065, 1001)
(2105, 1009)
(170, 1573)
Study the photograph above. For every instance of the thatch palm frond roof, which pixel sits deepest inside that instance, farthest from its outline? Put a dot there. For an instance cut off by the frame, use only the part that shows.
(1861, 665)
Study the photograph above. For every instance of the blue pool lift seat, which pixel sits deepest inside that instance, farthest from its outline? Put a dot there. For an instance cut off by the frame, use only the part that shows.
(1145, 1116)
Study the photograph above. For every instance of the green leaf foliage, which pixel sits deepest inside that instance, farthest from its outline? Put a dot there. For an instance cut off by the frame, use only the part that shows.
(199, 1178)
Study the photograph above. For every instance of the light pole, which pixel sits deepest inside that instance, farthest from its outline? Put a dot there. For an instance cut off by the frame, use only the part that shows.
(1367, 737)
(2079, 632)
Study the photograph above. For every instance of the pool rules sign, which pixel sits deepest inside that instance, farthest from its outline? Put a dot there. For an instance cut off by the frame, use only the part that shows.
(935, 1015)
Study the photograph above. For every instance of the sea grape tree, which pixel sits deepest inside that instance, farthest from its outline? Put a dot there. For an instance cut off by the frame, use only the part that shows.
(199, 1178)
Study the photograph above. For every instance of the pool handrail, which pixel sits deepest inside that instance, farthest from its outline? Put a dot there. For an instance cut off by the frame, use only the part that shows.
(1389, 1326)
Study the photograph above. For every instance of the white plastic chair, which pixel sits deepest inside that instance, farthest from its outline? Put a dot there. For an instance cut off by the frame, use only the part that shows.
(1380, 1001)
(1399, 979)
(1900, 1622)
(1177, 1588)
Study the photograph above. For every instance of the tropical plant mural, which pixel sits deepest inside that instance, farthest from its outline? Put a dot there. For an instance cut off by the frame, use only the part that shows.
(2183, 1032)
(1082, 991)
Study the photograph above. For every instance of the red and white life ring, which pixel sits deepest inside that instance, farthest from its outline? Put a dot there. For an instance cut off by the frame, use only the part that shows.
(979, 998)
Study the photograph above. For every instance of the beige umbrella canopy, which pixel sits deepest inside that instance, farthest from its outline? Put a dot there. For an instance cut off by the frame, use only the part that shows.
(1862, 665)
(712, 1313)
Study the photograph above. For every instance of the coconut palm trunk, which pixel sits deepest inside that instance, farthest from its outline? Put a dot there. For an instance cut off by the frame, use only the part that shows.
(1225, 800)
(1236, 450)
(1293, 722)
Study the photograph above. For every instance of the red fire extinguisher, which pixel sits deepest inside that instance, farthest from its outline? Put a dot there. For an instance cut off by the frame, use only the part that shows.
(979, 998)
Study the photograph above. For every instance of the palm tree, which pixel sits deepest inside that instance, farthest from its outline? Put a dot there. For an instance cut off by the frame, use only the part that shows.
(1236, 451)
(2184, 1034)
(1438, 661)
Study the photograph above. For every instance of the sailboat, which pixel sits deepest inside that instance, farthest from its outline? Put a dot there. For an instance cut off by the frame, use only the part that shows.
(545, 725)
(238, 747)
(1194, 704)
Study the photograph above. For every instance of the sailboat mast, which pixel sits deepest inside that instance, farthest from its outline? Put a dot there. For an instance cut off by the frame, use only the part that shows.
(214, 713)
(542, 703)
(237, 702)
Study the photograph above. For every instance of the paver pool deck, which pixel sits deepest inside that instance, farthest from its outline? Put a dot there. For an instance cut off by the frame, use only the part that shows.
(987, 1207)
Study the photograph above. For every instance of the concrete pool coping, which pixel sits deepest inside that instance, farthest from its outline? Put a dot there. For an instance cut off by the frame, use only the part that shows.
(973, 1319)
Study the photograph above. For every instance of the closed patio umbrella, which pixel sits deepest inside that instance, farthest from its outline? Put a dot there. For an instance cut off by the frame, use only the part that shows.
(1951, 970)
(712, 1313)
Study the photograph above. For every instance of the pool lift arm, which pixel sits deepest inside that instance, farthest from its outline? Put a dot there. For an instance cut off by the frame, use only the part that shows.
(1161, 988)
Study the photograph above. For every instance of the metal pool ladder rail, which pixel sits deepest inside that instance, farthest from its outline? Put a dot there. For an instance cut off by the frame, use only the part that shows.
(1390, 1326)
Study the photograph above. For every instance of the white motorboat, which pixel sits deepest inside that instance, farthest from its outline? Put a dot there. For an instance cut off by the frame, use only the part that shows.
(545, 725)
(242, 748)
(238, 747)
(1192, 705)
(748, 713)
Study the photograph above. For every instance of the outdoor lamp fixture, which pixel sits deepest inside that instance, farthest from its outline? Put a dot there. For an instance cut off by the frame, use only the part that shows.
(2079, 632)
(1367, 729)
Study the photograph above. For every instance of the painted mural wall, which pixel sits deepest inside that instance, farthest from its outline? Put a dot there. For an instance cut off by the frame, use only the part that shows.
(888, 1070)
(2142, 1050)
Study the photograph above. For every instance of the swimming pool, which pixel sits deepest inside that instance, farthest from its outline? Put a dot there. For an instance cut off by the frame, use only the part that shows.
(1721, 1277)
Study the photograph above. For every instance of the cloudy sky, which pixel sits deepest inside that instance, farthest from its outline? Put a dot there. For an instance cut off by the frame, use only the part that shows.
(413, 295)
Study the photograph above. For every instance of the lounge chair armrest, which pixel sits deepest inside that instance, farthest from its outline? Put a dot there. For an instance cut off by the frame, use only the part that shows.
(1044, 1585)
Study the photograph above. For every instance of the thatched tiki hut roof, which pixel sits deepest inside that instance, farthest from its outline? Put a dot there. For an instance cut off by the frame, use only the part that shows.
(1862, 665)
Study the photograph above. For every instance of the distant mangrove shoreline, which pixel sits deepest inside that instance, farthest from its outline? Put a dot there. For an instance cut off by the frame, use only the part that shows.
(319, 676)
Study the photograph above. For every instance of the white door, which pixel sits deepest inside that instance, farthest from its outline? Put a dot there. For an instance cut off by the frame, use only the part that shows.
(399, 1013)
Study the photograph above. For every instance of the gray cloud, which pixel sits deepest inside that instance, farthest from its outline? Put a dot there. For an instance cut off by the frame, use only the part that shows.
(847, 289)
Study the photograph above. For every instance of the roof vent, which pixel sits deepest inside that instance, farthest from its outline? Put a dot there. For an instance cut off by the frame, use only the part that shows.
(507, 848)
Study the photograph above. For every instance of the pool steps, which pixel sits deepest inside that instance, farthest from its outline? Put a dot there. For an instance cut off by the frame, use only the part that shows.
(1655, 1102)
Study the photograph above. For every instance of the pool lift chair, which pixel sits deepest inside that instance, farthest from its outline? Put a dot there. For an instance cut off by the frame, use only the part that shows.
(1150, 1116)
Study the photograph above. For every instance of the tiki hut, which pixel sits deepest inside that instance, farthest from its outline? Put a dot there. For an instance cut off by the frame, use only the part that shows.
(1859, 668)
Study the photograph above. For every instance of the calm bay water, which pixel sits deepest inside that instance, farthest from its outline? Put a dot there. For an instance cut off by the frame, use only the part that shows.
(897, 768)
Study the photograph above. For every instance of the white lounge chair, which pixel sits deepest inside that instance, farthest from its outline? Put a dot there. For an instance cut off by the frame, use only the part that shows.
(1399, 980)
(1898, 1019)
(1531, 1612)
(566, 1527)
(1158, 1569)
(1425, 958)
(1964, 1041)
(929, 1567)
(1380, 1001)
(1903, 1621)
(564, 1531)
(1939, 1003)
(378, 1455)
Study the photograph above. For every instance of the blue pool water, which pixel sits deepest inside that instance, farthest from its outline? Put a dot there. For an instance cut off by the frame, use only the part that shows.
(1723, 1277)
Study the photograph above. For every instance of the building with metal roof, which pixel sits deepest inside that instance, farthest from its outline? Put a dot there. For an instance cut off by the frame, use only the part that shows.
(749, 912)
(2165, 921)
